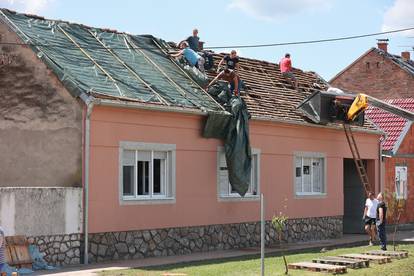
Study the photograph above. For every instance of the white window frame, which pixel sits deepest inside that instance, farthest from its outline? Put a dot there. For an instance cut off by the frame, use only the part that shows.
(398, 178)
(324, 184)
(229, 196)
(170, 172)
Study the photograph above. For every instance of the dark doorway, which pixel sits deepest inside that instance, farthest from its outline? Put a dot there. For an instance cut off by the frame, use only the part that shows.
(354, 199)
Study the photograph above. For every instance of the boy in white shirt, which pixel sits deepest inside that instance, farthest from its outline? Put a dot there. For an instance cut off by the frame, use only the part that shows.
(370, 216)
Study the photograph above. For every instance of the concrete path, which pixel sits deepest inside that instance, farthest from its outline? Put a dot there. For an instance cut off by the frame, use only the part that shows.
(346, 240)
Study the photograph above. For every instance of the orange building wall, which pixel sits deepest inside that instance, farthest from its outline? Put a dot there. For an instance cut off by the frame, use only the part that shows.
(196, 175)
(406, 147)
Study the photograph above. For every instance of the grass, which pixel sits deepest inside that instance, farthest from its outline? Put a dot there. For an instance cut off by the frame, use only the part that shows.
(274, 265)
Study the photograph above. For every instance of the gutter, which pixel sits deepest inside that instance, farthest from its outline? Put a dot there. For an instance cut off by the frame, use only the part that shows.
(89, 102)
(144, 106)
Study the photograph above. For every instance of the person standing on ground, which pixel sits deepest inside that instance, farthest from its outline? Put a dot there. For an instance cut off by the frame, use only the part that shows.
(191, 56)
(193, 41)
(285, 65)
(370, 216)
(2, 249)
(231, 77)
(232, 61)
(381, 221)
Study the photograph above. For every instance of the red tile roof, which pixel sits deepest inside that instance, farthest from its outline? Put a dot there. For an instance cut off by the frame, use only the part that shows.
(391, 124)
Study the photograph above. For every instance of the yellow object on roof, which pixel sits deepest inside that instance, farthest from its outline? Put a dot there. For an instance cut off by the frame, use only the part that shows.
(358, 105)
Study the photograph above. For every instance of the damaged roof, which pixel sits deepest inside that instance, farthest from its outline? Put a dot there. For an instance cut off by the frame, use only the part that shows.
(115, 65)
(268, 94)
(108, 63)
(395, 127)
(407, 65)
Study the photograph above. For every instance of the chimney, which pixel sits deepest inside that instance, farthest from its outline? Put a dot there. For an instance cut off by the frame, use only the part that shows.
(382, 44)
(405, 56)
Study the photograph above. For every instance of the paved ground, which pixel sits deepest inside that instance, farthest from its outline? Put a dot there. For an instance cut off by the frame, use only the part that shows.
(346, 240)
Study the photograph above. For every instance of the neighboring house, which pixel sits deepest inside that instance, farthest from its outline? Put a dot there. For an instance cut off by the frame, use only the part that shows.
(379, 74)
(387, 76)
(398, 155)
(111, 112)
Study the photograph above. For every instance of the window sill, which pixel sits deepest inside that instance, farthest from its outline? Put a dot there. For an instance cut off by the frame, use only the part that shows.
(310, 196)
(146, 201)
(222, 198)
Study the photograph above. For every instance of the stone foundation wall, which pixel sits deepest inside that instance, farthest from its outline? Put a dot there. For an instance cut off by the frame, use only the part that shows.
(186, 240)
(59, 250)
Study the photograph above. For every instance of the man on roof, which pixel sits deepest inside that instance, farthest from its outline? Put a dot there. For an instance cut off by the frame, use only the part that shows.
(231, 77)
(231, 61)
(193, 41)
(285, 65)
(191, 56)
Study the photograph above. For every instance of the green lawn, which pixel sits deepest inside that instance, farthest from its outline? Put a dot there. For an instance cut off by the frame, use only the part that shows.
(274, 265)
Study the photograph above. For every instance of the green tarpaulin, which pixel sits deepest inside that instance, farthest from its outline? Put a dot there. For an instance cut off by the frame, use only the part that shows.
(109, 63)
(233, 128)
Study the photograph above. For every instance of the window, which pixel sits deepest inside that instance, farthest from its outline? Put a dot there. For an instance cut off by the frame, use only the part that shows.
(309, 174)
(147, 171)
(401, 182)
(225, 189)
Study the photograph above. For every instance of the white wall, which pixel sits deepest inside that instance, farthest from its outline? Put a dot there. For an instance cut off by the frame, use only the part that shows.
(41, 211)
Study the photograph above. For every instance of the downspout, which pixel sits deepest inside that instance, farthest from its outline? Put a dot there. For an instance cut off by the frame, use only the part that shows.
(381, 178)
(89, 102)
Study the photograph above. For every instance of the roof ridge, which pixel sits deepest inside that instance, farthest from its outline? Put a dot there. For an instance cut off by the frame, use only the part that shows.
(35, 16)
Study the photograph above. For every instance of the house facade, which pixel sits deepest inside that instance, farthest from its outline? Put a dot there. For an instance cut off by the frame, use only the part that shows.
(397, 148)
(378, 73)
(389, 77)
(123, 125)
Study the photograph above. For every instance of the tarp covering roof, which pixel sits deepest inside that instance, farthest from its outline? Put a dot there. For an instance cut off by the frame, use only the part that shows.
(109, 63)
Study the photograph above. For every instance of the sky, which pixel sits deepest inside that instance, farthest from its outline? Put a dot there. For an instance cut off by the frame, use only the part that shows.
(246, 22)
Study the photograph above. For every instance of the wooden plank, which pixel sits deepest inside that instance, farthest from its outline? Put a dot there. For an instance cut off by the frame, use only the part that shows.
(359, 261)
(318, 267)
(16, 240)
(17, 252)
(378, 259)
(392, 254)
(351, 263)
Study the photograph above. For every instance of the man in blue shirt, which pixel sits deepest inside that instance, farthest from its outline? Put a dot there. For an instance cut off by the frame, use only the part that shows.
(191, 56)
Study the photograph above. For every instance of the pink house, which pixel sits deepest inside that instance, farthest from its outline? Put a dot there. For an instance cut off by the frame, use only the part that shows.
(152, 185)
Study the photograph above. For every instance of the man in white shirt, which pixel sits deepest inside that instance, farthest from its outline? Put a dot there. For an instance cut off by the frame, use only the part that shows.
(370, 216)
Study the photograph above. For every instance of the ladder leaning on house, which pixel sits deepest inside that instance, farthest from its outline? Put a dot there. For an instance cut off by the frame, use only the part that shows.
(359, 164)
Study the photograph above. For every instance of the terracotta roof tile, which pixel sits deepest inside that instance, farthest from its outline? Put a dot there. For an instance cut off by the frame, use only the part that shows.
(391, 124)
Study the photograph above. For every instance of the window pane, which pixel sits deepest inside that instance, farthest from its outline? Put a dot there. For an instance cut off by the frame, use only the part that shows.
(128, 180)
(400, 181)
(223, 175)
(298, 174)
(159, 176)
(306, 172)
(253, 180)
(317, 171)
(143, 177)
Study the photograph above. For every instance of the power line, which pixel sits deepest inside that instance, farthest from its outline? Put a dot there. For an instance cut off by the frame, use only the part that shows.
(311, 41)
(230, 46)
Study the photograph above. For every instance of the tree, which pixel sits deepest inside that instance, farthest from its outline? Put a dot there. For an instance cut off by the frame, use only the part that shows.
(279, 224)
